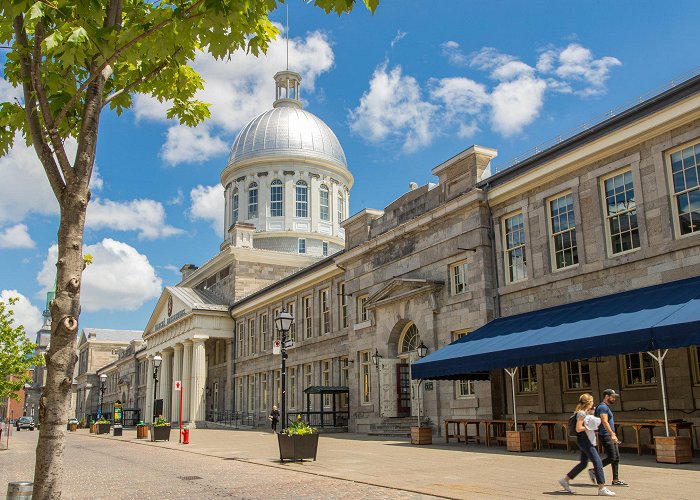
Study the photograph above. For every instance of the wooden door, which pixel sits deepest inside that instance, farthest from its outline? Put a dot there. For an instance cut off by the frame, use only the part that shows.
(403, 389)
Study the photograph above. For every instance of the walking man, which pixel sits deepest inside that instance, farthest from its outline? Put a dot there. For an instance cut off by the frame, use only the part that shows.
(608, 438)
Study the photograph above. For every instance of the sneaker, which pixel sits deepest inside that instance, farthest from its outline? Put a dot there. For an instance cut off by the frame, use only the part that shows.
(565, 484)
(591, 474)
(604, 492)
(618, 482)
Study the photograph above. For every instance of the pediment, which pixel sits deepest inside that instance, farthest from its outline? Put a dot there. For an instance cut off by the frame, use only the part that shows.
(401, 289)
(168, 306)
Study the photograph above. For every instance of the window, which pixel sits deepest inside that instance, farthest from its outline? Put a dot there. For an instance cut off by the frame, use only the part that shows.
(341, 208)
(251, 336)
(253, 201)
(302, 199)
(263, 392)
(639, 369)
(276, 199)
(326, 380)
(234, 207)
(343, 305)
(463, 388)
(621, 213)
(302, 245)
(527, 379)
(292, 387)
(516, 264)
(275, 313)
(578, 375)
(307, 318)
(263, 332)
(458, 276)
(362, 314)
(293, 326)
(240, 340)
(309, 379)
(685, 172)
(324, 203)
(325, 248)
(562, 226)
(344, 373)
(278, 387)
(325, 312)
(251, 393)
(410, 340)
(365, 378)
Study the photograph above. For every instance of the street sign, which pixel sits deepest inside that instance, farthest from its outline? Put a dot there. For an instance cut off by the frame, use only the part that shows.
(277, 347)
(178, 385)
(289, 344)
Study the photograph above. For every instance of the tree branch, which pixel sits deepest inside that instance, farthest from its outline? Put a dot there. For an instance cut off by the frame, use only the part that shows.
(43, 150)
(138, 81)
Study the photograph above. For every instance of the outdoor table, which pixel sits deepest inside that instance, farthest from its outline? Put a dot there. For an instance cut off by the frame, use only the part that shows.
(551, 426)
(496, 429)
(650, 425)
(457, 424)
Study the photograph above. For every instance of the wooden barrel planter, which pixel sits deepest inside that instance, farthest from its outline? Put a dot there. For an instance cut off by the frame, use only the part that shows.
(297, 447)
(93, 428)
(142, 431)
(72, 427)
(673, 450)
(519, 441)
(421, 435)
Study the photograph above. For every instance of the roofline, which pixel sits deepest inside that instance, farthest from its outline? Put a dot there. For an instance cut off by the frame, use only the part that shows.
(642, 110)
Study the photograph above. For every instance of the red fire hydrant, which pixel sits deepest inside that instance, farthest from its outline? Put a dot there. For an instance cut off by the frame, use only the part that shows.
(185, 436)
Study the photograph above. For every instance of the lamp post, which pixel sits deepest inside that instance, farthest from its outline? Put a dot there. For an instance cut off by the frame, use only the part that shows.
(422, 351)
(157, 360)
(376, 358)
(103, 388)
(283, 323)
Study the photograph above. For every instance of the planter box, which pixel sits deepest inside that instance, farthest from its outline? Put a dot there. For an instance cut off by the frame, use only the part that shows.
(297, 447)
(72, 427)
(519, 441)
(102, 428)
(141, 431)
(93, 428)
(421, 435)
(673, 450)
(160, 433)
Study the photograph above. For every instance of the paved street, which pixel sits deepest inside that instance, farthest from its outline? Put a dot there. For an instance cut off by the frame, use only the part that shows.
(242, 464)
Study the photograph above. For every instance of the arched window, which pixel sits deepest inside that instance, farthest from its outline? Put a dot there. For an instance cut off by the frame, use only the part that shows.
(276, 200)
(234, 207)
(410, 340)
(302, 199)
(253, 200)
(325, 203)
(341, 208)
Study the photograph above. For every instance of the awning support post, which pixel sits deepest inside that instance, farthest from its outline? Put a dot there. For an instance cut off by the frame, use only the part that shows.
(659, 358)
(512, 372)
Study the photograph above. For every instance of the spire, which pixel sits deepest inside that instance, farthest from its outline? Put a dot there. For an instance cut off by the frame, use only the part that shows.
(287, 89)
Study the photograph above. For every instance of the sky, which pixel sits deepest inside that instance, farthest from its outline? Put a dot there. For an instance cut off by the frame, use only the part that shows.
(404, 90)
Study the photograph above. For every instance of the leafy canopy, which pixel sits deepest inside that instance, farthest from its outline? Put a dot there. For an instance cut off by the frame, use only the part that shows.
(16, 353)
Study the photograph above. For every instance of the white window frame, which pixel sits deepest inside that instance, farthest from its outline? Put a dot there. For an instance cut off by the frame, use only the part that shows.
(365, 378)
(263, 332)
(301, 246)
(643, 382)
(307, 306)
(527, 380)
(608, 217)
(324, 203)
(325, 305)
(362, 312)
(459, 277)
(576, 369)
(293, 326)
(324, 248)
(301, 198)
(511, 246)
(253, 200)
(234, 206)
(341, 208)
(685, 192)
(560, 234)
(276, 198)
(251, 336)
(343, 306)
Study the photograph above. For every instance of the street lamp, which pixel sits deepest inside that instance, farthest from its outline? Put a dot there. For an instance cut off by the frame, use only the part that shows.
(422, 351)
(103, 388)
(283, 323)
(157, 360)
(376, 359)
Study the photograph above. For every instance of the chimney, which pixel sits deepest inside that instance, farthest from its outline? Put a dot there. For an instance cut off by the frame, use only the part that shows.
(460, 173)
(242, 234)
(187, 270)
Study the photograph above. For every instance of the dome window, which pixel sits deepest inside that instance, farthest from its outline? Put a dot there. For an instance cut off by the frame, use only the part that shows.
(234, 207)
(302, 199)
(253, 201)
(276, 200)
(341, 208)
(324, 202)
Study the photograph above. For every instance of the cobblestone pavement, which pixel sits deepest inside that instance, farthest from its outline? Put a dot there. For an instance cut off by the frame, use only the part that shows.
(102, 468)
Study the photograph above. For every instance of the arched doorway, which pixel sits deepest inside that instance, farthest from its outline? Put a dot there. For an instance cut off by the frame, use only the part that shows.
(409, 340)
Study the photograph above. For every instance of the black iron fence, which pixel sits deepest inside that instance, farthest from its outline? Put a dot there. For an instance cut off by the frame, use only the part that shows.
(322, 418)
(232, 418)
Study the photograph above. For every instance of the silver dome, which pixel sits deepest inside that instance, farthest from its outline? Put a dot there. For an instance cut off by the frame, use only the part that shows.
(287, 131)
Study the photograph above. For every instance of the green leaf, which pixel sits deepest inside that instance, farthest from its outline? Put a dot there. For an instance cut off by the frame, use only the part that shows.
(52, 41)
(78, 36)
(36, 11)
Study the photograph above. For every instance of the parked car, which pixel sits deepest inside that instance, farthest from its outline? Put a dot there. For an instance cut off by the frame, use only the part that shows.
(25, 423)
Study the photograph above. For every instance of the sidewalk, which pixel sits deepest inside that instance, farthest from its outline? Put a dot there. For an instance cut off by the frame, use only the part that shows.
(449, 471)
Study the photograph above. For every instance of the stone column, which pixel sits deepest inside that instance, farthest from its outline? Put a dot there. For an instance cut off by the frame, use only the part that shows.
(165, 382)
(199, 379)
(186, 379)
(229, 388)
(148, 413)
(177, 375)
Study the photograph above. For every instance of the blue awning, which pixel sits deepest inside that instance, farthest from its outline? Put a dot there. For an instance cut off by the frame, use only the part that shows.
(657, 317)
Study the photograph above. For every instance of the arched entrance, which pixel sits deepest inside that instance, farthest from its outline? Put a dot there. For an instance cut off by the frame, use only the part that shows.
(409, 340)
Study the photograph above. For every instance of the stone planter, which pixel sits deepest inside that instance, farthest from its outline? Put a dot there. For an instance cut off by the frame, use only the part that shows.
(102, 428)
(297, 447)
(160, 432)
(421, 435)
(519, 441)
(673, 450)
(142, 431)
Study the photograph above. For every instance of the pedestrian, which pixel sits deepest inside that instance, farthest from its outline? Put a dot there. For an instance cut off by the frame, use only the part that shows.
(585, 437)
(608, 438)
(274, 418)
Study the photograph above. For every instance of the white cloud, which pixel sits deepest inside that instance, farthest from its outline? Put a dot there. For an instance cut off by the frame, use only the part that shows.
(512, 70)
(25, 313)
(191, 145)
(516, 104)
(208, 205)
(8, 92)
(393, 108)
(489, 58)
(16, 236)
(119, 279)
(451, 50)
(460, 95)
(399, 36)
(577, 63)
(147, 217)
(177, 199)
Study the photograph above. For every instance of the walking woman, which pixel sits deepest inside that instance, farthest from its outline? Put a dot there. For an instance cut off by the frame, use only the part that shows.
(585, 437)
(274, 418)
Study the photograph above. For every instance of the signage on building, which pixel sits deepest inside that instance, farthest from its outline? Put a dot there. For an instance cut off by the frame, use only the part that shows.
(178, 385)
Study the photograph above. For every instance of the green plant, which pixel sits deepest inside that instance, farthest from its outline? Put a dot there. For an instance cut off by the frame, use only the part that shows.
(160, 422)
(81, 424)
(299, 428)
(141, 422)
(102, 421)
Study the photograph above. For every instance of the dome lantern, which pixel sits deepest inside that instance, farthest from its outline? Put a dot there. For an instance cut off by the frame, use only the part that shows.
(287, 85)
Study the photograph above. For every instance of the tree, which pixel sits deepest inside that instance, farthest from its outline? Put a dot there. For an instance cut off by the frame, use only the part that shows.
(73, 59)
(16, 353)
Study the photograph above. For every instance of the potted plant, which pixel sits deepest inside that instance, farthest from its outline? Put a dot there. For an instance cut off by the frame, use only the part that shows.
(422, 434)
(141, 430)
(102, 426)
(673, 449)
(299, 441)
(93, 427)
(160, 430)
(72, 425)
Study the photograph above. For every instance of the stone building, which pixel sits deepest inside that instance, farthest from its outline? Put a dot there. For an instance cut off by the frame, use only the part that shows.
(126, 382)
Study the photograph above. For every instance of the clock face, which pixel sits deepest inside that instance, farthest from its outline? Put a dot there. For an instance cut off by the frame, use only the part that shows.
(170, 306)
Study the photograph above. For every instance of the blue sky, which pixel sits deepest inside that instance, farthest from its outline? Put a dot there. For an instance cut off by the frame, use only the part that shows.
(404, 90)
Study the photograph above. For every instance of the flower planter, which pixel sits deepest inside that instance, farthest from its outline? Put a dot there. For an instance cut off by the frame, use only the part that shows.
(160, 433)
(142, 431)
(673, 450)
(519, 441)
(72, 427)
(102, 428)
(421, 435)
(297, 447)
(93, 428)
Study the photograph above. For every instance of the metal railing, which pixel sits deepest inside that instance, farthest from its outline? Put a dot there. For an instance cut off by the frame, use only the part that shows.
(232, 418)
(322, 419)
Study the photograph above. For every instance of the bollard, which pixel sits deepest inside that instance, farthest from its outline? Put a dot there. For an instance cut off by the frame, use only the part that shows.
(185, 436)
(19, 490)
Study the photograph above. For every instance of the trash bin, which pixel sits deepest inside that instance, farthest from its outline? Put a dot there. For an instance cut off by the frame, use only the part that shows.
(117, 430)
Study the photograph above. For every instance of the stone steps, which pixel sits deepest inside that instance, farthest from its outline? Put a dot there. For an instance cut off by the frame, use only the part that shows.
(393, 427)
